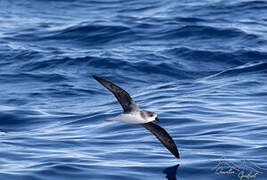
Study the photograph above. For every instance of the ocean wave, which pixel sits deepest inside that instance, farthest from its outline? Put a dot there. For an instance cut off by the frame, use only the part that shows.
(200, 65)
(247, 69)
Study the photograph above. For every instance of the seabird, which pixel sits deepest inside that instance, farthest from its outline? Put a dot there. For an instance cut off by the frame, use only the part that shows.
(134, 115)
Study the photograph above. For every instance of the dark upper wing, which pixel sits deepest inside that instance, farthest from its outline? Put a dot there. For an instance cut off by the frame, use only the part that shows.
(163, 136)
(122, 96)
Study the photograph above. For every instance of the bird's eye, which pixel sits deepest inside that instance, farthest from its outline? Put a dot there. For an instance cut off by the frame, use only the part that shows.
(151, 115)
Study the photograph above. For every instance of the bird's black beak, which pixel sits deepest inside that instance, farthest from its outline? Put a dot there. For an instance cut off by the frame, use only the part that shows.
(157, 119)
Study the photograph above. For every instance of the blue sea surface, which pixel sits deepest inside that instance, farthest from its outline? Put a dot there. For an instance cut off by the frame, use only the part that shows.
(200, 65)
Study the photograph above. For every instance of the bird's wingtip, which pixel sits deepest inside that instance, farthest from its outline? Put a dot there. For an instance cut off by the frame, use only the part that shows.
(175, 152)
(96, 78)
(177, 156)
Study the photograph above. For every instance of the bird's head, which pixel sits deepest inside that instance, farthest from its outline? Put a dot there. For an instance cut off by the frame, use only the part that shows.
(150, 116)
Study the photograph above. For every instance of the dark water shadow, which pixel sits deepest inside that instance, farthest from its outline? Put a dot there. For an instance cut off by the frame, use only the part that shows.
(171, 172)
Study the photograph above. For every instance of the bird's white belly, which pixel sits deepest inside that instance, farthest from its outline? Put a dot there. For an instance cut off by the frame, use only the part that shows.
(134, 118)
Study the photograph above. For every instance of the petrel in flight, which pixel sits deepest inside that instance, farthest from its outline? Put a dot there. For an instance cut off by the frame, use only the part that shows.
(134, 115)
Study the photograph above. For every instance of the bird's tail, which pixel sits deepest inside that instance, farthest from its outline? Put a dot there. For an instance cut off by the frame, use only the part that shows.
(110, 119)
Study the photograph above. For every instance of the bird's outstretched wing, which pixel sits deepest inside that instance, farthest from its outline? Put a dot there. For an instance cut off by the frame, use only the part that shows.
(122, 96)
(163, 136)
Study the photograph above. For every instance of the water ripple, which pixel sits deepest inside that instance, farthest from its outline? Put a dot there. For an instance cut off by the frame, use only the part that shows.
(200, 65)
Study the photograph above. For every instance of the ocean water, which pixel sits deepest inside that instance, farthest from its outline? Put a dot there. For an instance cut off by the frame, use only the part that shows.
(200, 65)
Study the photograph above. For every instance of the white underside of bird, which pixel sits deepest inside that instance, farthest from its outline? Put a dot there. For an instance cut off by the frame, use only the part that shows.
(131, 118)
